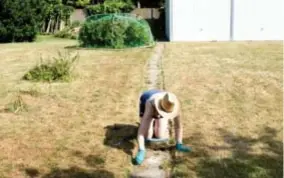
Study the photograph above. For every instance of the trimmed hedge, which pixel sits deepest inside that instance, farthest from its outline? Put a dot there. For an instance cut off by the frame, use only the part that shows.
(115, 31)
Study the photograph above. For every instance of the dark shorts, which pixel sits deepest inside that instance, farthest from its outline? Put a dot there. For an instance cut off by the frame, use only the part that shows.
(144, 97)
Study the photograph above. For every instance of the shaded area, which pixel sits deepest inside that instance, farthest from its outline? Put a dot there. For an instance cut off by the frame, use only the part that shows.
(78, 47)
(96, 170)
(121, 136)
(95, 161)
(72, 172)
(76, 172)
(158, 26)
(245, 161)
(32, 172)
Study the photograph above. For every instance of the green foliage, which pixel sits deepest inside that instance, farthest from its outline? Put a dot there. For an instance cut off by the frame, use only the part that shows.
(57, 70)
(115, 31)
(110, 6)
(20, 20)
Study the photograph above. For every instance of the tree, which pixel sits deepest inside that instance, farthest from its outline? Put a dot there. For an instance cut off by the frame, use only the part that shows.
(20, 20)
(55, 14)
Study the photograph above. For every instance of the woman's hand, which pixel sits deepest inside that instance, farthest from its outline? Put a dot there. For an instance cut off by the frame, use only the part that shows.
(140, 157)
(182, 148)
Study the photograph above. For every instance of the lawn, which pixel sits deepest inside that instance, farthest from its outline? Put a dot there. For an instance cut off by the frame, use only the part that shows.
(70, 129)
(231, 96)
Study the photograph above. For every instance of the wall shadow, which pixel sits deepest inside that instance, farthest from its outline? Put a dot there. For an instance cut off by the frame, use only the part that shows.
(257, 157)
(121, 136)
(72, 172)
(92, 160)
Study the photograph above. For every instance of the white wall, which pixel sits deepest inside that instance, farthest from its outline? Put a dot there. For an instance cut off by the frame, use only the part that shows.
(200, 20)
(222, 20)
(258, 20)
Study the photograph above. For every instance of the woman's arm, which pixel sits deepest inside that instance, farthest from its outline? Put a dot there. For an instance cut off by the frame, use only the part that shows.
(144, 125)
(142, 132)
(179, 135)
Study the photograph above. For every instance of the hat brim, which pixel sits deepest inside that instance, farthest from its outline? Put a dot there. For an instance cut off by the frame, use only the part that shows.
(160, 110)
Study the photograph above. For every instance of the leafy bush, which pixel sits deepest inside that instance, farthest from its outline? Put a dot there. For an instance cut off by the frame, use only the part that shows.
(75, 24)
(114, 31)
(70, 32)
(57, 70)
(66, 33)
(108, 7)
(20, 20)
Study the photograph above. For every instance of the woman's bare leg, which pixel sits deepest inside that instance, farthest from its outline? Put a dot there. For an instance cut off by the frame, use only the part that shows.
(161, 129)
(150, 132)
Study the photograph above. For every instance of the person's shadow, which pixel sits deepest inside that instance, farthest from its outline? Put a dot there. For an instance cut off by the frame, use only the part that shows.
(121, 136)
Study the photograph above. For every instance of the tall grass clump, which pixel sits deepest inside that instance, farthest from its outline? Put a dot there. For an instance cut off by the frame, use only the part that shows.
(58, 69)
(17, 105)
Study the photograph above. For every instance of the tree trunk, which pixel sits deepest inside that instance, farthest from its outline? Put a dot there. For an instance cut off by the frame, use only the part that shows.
(62, 25)
(56, 24)
(48, 26)
(43, 27)
(53, 25)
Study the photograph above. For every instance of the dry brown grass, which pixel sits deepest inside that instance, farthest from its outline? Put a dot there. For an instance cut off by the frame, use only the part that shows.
(64, 133)
(232, 107)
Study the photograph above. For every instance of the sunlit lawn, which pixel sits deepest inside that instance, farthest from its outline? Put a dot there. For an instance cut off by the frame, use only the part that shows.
(67, 129)
(232, 108)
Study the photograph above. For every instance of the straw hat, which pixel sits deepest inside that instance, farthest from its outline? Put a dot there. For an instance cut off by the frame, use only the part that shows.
(166, 104)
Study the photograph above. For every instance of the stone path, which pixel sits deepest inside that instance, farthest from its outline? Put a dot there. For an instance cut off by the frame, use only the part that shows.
(151, 167)
(153, 66)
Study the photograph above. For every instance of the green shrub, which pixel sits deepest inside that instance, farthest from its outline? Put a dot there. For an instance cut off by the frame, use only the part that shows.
(115, 31)
(66, 33)
(70, 32)
(75, 24)
(109, 7)
(57, 70)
